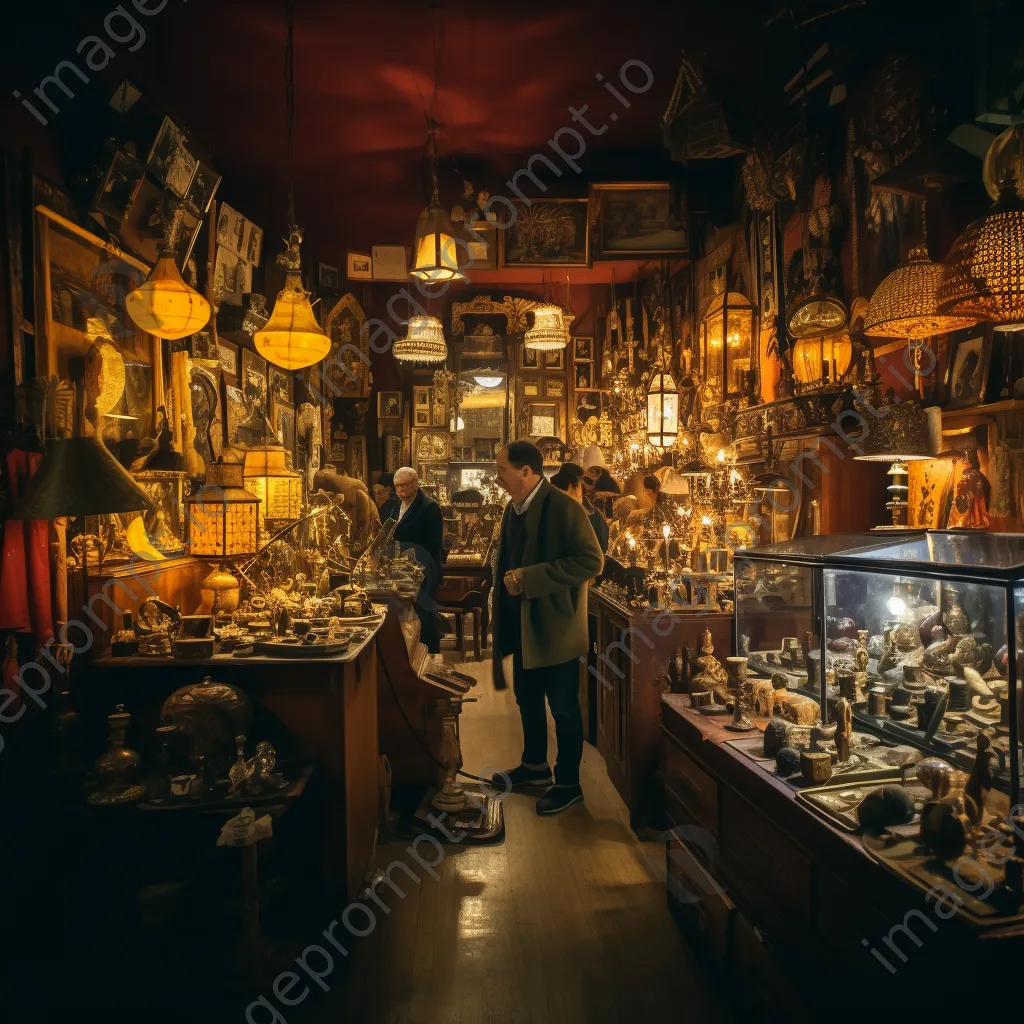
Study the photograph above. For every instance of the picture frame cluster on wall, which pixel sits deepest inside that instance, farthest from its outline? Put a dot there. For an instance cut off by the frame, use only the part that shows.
(583, 363)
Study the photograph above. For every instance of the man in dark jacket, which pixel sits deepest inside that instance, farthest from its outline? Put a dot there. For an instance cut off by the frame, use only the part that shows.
(384, 497)
(420, 529)
(547, 555)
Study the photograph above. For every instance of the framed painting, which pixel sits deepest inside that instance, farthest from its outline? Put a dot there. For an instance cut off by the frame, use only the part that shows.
(118, 191)
(529, 358)
(583, 349)
(328, 279)
(227, 354)
(170, 160)
(639, 220)
(284, 425)
(345, 373)
(554, 388)
(583, 376)
(531, 388)
(547, 233)
(967, 374)
(554, 360)
(542, 419)
(279, 383)
(358, 266)
(928, 489)
(389, 404)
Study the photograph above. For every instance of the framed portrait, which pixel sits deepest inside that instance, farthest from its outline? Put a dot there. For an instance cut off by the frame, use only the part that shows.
(118, 191)
(588, 405)
(232, 230)
(284, 425)
(583, 375)
(554, 388)
(528, 358)
(227, 353)
(967, 375)
(639, 219)
(359, 266)
(253, 244)
(389, 405)
(421, 416)
(421, 396)
(554, 360)
(328, 279)
(547, 233)
(531, 388)
(929, 486)
(542, 419)
(203, 188)
(170, 160)
(280, 384)
(583, 349)
(254, 375)
(232, 277)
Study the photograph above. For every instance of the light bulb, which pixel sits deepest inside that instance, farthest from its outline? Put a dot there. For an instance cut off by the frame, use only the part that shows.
(705, 520)
(665, 530)
(720, 457)
(632, 542)
(734, 476)
(896, 605)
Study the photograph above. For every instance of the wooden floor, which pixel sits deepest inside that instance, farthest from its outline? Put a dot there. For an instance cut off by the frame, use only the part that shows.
(564, 922)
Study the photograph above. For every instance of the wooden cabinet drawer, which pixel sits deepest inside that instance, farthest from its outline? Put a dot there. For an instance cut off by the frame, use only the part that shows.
(699, 903)
(768, 875)
(689, 785)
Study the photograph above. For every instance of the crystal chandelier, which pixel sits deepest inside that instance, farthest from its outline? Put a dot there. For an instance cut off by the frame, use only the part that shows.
(423, 344)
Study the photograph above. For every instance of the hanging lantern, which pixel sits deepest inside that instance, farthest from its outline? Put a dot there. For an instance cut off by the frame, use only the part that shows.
(292, 338)
(905, 304)
(662, 411)
(423, 344)
(222, 516)
(727, 340)
(548, 333)
(435, 255)
(278, 488)
(821, 313)
(984, 275)
(822, 360)
(163, 305)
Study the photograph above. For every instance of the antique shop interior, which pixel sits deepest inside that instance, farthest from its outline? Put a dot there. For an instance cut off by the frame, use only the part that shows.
(286, 286)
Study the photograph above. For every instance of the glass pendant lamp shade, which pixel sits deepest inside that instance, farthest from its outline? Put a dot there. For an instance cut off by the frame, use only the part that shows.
(423, 344)
(821, 360)
(548, 333)
(436, 256)
(292, 338)
(165, 306)
(278, 488)
(905, 304)
(984, 273)
(662, 411)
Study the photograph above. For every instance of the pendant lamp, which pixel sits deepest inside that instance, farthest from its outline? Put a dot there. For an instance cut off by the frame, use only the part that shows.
(423, 344)
(164, 305)
(548, 333)
(435, 255)
(292, 338)
(984, 273)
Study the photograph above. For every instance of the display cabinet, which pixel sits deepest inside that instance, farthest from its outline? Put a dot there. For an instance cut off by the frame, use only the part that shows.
(919, 633)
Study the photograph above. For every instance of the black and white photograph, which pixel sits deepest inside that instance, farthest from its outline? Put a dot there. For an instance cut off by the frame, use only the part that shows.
(253, 244)
(328, 281)
(203, 188)
(359, 266)
(170, 160)
(233, 231)
(232, 277)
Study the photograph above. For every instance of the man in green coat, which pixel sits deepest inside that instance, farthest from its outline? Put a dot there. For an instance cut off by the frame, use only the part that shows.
(547, 554)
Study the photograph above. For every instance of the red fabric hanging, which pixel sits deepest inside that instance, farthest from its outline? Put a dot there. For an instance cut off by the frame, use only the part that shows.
(25, 570)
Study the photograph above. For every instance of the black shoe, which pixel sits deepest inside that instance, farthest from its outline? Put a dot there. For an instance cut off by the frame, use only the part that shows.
(522, 777)
(558, 798)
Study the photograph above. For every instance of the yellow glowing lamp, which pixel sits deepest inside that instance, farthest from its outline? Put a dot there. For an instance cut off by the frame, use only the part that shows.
(278, 488)
(222, 515)
(165, 306)
(662, 411)
(436, 259)
(548, 333)
(292, 338)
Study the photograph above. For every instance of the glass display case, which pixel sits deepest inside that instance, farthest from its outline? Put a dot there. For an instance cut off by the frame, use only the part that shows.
(919, 634)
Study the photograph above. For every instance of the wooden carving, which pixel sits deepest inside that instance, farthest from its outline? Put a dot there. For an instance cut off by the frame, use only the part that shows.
(345, 373)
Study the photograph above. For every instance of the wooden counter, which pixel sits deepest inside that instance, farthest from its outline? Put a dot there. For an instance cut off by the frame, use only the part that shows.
(797, 911)
(626, 680)
(323, 708)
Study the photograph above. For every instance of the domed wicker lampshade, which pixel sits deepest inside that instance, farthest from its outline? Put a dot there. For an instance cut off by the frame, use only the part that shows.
(905, 305)
(984, 275)
(423, 344)
(548, 333)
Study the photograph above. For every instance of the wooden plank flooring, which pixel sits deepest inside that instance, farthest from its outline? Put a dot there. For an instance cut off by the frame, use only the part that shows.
(564, 922)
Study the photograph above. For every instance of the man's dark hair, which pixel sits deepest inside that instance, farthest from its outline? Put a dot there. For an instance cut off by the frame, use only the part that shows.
(525, 453)
(652, 483)
(568, 475)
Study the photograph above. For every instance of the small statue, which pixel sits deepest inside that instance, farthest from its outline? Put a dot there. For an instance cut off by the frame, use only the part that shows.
(861, 655)
(954, 618)
(842, 714)
(740, 692)
(711, 677)
(979, 782)
(970, 505)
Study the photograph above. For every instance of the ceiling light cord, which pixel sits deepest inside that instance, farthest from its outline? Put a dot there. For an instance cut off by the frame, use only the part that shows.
(289, 75)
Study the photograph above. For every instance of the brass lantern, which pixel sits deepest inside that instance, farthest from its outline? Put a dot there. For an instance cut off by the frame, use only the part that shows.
(222, 516)
(278, 488)
(822, 360)
(727, 345)
(662, 411)
(292, 338)
(435, 257)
